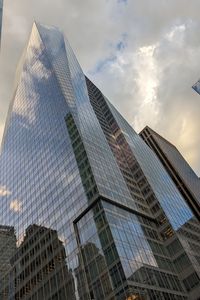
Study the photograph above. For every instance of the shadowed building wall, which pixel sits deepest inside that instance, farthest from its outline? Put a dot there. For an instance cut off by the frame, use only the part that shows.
(7, 250)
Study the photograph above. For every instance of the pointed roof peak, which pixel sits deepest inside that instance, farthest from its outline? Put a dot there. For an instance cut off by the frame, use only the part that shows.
(41, 26)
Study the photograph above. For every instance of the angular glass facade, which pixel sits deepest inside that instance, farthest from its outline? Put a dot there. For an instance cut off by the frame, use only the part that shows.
(196, 87)
(96, 215)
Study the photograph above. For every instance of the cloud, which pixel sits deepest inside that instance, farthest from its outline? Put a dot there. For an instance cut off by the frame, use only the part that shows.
(142, 54)
(4, 191)
(63, 239)
(151, 83)
(16, 205)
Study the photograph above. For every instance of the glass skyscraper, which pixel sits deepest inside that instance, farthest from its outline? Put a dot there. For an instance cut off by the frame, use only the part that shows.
(196, 87)
(96, 215)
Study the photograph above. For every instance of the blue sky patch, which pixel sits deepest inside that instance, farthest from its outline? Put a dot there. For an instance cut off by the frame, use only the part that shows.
(117, 47)
(102, 64)
(120, 46)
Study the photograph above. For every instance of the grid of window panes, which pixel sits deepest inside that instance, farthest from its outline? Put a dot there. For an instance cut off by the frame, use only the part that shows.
(82, 159)
(189, 233)
(134, 176)
(172, 204)
(114, 245)
(108, 177)
(110, 182)
(124, 161)
(171, 201)
(40, 181)
(55, 150)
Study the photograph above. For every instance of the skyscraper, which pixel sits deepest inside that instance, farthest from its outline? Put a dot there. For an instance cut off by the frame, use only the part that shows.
(7, 250)
(40, 261)
(1, 14)
(196, 87)
(185, 179)
(72, 164)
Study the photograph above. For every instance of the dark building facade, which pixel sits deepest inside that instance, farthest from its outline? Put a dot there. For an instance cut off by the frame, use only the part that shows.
(179, 170)
(39, 269)
(70, 162)
(7, 250)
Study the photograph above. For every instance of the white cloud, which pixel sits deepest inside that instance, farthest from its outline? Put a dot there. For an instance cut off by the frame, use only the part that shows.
(63, 239)
(16, 205)
(153, 87)
(20, 240)
(175, 32)
(4, 191)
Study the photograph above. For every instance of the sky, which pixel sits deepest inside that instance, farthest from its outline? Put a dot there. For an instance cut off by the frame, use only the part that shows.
(144, 55)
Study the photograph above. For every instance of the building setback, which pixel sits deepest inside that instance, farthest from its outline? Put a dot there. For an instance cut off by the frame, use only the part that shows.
(72, 165)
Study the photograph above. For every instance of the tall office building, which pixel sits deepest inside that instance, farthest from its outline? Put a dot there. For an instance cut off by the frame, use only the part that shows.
(185, 179)
(71, 163)
(196, 87)
(7, 250)
(1, 15)
(40, 261)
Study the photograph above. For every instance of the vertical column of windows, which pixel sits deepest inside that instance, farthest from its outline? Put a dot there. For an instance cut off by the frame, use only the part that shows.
(87, 177)
(132, 173)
